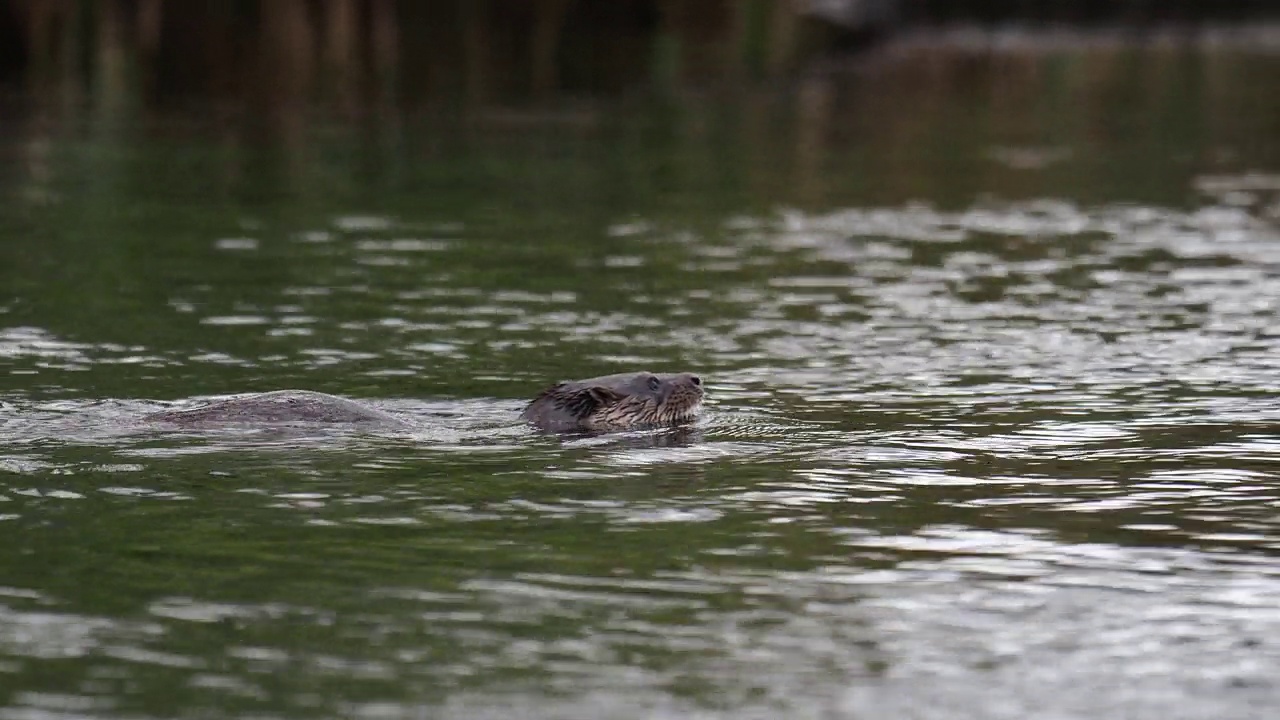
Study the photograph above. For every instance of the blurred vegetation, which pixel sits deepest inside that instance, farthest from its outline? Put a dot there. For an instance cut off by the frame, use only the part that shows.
(353, 53)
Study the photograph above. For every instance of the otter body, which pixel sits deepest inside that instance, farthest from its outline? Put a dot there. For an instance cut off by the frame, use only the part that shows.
(610, 402)
(282, 406)
(617, 402)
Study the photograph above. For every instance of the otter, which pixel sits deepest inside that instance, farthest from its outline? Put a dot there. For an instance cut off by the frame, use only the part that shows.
(617, 402)
(611, 402)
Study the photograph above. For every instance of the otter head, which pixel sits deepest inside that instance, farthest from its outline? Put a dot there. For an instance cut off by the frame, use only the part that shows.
(616, 402)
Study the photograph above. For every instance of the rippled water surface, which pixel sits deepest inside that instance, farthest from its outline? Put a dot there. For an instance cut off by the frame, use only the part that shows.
(992, 429)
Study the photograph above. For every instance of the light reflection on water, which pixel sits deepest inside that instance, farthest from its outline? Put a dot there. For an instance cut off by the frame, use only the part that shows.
(873, 430)
(982, 460)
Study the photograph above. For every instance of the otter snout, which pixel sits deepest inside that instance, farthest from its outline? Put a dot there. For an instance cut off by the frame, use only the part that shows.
(684, 388)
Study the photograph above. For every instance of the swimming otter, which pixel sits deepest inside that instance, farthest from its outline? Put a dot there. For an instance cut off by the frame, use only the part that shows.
(611, 402)
(617, 402)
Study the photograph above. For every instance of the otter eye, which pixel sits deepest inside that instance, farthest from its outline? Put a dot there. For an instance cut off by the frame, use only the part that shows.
(654, 383)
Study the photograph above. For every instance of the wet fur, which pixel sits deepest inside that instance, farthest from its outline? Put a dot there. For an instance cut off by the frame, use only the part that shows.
(617, 402)
(611, 402)
(282, 406)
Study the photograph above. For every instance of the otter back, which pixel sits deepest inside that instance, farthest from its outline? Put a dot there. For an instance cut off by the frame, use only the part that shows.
(282, 406)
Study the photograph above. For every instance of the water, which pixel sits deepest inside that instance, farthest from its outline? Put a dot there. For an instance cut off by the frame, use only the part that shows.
(991, 431)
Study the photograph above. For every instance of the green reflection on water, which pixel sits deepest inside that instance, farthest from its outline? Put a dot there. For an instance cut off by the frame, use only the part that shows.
(527, 200)
(167, 255)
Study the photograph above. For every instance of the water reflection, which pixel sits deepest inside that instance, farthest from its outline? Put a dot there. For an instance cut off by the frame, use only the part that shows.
(979, 449)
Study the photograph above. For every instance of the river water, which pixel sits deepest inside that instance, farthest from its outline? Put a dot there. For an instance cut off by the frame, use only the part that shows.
(993, 368)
